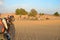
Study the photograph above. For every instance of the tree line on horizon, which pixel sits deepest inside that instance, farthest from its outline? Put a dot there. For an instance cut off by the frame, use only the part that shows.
(33, 12)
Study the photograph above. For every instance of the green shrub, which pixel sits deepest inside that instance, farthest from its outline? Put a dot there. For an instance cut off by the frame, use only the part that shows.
(56, 14)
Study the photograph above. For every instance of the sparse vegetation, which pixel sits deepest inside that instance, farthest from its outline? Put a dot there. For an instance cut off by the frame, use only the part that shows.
(41, 14)
(47, 18)
(56, 14)
(33, 13)
(21, 12)
(17, 11)
(34, 18)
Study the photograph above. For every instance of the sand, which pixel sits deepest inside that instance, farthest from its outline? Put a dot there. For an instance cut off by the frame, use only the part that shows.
(37, 30)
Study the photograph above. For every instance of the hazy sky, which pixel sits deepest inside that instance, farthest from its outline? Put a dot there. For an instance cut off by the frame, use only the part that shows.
(46, 6)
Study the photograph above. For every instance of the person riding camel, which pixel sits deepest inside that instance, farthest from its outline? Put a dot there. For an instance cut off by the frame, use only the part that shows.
(4, 20)
(6, 23)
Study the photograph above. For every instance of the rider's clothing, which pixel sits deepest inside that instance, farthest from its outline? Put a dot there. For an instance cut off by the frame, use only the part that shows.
(5, 23)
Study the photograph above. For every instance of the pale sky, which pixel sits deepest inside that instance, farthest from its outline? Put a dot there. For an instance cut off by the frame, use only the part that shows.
(44, 6)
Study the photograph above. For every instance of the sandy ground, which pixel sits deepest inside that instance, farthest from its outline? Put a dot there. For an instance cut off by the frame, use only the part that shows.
(37, 30)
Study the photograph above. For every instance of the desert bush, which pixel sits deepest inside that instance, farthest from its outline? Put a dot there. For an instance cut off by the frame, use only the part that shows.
(34, 18)
(41, 14)
(47, 18)
(56, 14)
(33, 13)
(21, 11)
